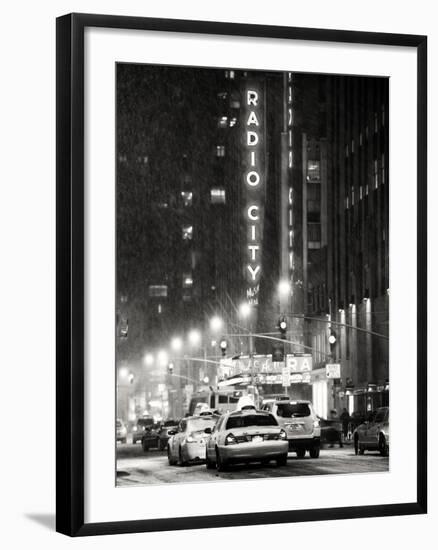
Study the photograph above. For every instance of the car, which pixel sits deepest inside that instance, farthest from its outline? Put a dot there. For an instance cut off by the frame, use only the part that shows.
(163, 433)
(140, 427)
(245, 435)
(373, 434)
(150, 438)
(121, 431)
(187, 443)
(300, 422)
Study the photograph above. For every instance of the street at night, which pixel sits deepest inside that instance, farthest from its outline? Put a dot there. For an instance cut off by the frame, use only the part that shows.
(135, 468)
(252, 296)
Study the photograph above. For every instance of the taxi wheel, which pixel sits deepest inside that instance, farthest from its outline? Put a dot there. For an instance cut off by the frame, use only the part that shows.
(383, 447)
(314, 452)
(210, 465)
(221, 465)
(169, 457)
(282, 461)
(301, 453)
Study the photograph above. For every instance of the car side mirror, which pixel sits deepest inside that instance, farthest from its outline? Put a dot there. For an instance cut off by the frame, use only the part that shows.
(207, 430)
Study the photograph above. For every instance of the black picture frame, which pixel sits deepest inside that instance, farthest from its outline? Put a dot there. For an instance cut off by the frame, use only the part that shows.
(70, 273)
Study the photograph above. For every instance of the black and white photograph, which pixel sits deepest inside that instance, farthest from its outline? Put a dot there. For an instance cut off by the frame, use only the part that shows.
(252, 274)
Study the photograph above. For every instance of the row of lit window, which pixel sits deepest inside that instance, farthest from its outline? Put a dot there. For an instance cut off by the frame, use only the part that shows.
(363, 192)
(217, 196)
(350, 149)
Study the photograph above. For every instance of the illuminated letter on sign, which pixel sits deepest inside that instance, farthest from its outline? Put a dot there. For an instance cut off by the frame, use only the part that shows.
(252, 119)
(253, 179)
(254, 271)
(252, 138)
(252, 98)
(252, 216)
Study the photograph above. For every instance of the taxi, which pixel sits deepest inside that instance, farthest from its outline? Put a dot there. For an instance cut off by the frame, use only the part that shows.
(243, 436)
(187, 443)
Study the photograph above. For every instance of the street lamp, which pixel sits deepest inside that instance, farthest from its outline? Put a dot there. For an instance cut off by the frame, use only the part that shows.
(216, 324)
(194, 337)
(176, 344)
(284, 288)
(244, 310)
(163, 357)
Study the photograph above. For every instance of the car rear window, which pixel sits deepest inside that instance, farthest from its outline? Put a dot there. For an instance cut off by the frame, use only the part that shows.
(293, 410)
(145, 421)
(170, 423)
(247, 420)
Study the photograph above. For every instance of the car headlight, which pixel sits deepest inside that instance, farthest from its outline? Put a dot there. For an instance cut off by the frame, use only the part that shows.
(230, 440)
(282, 435)
(316, 423)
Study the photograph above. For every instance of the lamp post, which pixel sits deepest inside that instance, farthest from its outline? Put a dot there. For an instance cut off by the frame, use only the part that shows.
(245, 312)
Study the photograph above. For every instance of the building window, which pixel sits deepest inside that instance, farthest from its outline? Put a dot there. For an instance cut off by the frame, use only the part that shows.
(376, 123)
(382, 169)
(375, 174)
(160, 309)
(220, 150)
(187, 198)
(313, 171)
(156, 291)
(222, 122)
(187, 297)
(123, 158)
(229, 74)
(217, 196)
(187, 280)
(352, 195)
(313, 206)
(314, 235)
(187, 232)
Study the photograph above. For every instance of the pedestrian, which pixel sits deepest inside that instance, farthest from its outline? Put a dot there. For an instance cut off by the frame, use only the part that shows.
(345, 419)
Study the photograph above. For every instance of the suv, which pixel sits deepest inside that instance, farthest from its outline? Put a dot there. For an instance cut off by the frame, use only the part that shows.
(299, 420)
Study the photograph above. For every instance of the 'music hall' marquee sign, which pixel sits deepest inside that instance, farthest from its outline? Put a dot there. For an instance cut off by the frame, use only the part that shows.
(254, 182)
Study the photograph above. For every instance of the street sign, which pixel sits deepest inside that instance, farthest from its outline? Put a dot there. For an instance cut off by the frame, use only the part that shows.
(333, 370)
(286, 376)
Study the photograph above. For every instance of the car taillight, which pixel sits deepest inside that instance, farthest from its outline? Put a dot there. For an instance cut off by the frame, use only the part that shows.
(282, 435)
(230, 440)
(316, 423)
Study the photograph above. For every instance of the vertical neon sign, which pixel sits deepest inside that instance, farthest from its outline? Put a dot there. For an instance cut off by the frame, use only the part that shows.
(253, 180)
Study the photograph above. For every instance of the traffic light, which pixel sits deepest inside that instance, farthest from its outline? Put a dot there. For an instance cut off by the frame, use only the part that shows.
(223, 345)
(170, 368)
(278, 352)
(282, 325)
(332, 340)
